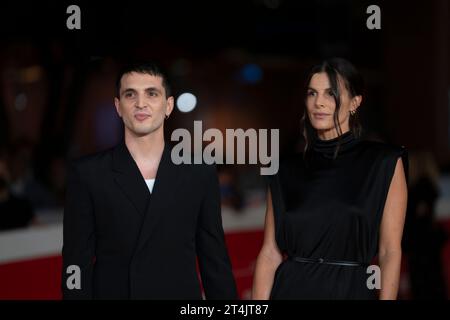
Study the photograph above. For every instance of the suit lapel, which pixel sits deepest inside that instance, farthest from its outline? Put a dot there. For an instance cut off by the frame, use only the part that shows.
(128, 177)
(164, 191)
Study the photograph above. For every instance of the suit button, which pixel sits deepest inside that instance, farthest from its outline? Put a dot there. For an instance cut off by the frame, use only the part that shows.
(320, 260)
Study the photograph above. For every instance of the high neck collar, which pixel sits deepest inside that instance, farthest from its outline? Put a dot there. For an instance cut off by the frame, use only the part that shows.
(328, 147)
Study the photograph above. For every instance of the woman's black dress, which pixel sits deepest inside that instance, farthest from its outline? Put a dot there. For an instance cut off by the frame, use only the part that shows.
(329, 210)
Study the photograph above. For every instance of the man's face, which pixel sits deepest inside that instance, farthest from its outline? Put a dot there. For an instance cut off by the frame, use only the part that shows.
(142, 103)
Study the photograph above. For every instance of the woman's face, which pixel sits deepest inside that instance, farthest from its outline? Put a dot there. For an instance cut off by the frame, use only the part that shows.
(320, 106)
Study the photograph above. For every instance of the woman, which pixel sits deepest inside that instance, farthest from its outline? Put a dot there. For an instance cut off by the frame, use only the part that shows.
(332, 209)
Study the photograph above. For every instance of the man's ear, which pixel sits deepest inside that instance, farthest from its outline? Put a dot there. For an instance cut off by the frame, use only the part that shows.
(170, 105)
(117, 104)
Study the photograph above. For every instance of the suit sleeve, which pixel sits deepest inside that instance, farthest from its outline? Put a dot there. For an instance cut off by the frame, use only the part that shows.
(78, 239)
(214, 262)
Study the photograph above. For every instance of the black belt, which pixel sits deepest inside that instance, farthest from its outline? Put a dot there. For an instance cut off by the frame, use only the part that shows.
(332, 262)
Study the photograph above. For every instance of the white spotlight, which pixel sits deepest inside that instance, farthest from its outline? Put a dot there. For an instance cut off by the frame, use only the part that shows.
(186, 102)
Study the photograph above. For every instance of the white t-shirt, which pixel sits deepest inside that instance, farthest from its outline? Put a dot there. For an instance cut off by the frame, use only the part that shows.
(150, 183)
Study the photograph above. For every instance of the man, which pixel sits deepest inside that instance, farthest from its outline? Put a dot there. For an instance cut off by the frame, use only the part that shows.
(134, 222)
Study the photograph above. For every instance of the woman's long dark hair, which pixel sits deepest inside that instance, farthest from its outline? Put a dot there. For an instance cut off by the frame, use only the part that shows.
(335, 68)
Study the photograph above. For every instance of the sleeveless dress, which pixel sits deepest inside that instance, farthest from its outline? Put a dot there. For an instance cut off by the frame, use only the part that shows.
(329, 210)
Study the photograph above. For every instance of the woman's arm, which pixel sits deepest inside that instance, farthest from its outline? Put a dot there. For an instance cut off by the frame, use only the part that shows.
(269, 258)
(391, 230)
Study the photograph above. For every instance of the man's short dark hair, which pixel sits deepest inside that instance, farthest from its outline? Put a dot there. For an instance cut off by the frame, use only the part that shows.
(146, 68)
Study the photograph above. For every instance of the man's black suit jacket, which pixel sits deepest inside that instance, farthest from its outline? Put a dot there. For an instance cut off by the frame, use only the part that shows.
(130, 244)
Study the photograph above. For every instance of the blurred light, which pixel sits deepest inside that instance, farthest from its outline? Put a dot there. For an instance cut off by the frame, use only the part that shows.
(20, 103)
(251, 73)
(31, 74)
(186, 102)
